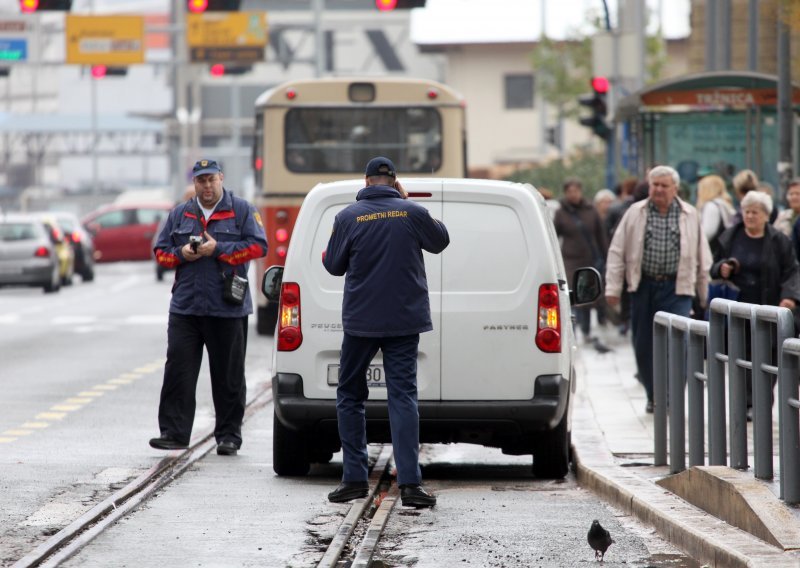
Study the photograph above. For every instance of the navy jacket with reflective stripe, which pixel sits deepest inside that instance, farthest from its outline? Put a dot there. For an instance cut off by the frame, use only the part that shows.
(236, 226)
(378, 242)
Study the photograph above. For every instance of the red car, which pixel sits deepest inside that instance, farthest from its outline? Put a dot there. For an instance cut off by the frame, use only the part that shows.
(125, 231)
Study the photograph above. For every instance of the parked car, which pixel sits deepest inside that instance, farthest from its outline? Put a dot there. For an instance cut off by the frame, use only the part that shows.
(125, 231)
(28, 253)
(80, 241)
(498, 367)
(64, 251)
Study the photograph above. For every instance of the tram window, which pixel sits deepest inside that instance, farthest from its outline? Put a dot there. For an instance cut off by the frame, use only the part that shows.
(328, 140)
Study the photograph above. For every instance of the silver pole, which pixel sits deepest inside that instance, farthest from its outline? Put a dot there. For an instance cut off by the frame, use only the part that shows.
(724, 49)
(752, 36)
(95, 165)
(319, 43)
(542, 108)
(785, 114)
(711, 35)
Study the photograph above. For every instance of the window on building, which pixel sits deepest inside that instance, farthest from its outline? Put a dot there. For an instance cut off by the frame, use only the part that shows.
(519, 91)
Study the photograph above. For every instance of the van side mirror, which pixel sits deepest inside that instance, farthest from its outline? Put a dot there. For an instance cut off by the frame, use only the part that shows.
(586, 286)
(271, 284)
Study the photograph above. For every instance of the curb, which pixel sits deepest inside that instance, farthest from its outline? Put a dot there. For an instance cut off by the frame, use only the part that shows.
(697, 533)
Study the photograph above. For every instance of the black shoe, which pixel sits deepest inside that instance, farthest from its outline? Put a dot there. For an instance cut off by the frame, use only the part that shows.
(227, 449)
(167, 443)
(648, 408)
(349, 490)
(749, 413)
(416, 496)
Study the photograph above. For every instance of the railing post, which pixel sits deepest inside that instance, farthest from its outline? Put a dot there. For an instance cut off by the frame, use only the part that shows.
(696, 382)
(739, 317)
(789, 420)
(676, 407)
(661, 325)
(771, 326)
(717, 358)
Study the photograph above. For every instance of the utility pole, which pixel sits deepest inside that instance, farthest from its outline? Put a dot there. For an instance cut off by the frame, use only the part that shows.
(711, 35)
(785, 113)
(319, 42)
(752, 35)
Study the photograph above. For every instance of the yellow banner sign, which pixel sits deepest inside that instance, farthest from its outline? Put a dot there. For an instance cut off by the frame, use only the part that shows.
(105, 40)
(226, 29)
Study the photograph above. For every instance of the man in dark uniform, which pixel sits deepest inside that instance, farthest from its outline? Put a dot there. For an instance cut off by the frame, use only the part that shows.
(378, 242)
(208, 239)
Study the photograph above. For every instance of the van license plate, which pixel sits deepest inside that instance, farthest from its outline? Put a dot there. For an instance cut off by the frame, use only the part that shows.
(375, 376)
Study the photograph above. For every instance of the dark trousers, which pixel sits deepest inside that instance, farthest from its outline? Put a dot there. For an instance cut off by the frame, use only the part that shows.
(400, 366)
(225, 340)
(652, 296)
(583, 317)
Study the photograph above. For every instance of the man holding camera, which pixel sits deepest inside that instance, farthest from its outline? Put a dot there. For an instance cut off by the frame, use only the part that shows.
(210, 240)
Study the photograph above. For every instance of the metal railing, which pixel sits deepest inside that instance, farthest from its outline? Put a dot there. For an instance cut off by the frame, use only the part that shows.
(690, 359)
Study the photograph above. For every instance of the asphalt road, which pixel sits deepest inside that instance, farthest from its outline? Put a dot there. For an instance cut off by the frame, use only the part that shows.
(81, 372)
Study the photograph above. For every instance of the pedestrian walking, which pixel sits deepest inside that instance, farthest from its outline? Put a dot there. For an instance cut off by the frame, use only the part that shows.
(209, 239)
(660, 250)
(583, 243)
(716, 208)
(759, 260)
(377, 243)
(786, 220)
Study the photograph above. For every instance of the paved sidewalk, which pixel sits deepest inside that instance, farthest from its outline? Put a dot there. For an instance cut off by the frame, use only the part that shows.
(613, 439)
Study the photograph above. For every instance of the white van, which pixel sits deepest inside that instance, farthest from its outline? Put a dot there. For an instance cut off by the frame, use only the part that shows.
(496, 370)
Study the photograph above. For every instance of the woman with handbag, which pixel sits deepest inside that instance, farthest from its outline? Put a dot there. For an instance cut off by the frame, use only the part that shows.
(759, 260)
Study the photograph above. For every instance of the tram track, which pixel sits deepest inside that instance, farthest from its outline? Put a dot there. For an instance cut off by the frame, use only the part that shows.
(357, 538)
(71, 539)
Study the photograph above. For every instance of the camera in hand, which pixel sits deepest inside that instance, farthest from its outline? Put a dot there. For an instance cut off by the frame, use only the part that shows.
(195, 241)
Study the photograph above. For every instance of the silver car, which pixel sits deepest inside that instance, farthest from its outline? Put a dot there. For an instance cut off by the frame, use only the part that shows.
(27, 254)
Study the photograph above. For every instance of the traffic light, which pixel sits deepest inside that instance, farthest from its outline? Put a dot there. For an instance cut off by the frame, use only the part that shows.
(100, 71)
(31, 6)
(200, 6)
(389, 5)
(596, 101)
(220, 69)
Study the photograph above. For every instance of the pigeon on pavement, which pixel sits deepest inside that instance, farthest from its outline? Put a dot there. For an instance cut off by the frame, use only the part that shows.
(599, 539)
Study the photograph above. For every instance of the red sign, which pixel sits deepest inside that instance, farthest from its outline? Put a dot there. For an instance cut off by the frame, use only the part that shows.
(730, 97)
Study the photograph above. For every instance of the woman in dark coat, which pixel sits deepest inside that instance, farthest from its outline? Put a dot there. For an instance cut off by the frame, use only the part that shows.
(583, 243)
(759, 260)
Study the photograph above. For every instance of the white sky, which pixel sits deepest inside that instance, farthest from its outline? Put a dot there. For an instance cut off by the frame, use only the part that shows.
(493, 20)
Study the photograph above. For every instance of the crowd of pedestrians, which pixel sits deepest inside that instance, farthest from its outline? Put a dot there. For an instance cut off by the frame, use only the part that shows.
(658, 252)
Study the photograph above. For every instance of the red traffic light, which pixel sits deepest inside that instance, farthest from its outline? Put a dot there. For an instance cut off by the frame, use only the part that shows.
(386, 5)
(100, 71)
(600, 84)
(31, 6)
(197, 6)
(220, 69)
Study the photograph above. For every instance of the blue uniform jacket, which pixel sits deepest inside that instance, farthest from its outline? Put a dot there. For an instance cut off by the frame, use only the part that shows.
(239, 232)
(378, 242)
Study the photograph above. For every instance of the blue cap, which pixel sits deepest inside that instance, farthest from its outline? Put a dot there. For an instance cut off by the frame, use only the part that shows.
(381, 166)
(206, 167)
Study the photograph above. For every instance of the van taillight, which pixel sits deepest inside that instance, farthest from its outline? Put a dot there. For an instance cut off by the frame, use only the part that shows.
(548, 323)
(290, 336)
(43, 252)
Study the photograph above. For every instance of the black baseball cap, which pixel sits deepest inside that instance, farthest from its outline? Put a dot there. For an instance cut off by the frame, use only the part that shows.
(202, 167)
(381, 166)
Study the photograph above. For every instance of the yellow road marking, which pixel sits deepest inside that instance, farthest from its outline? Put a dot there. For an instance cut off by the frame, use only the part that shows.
(65, 407)
(131, 376)
(91, 393)
(51, 415)
(105, 387)
(143, 370)
(17, 432)
(76, 400)
(3, 440)
(120, 381)
(36, 425)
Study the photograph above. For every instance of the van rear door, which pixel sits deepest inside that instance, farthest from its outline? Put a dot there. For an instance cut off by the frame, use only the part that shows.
(498, 256)
(321, 296)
